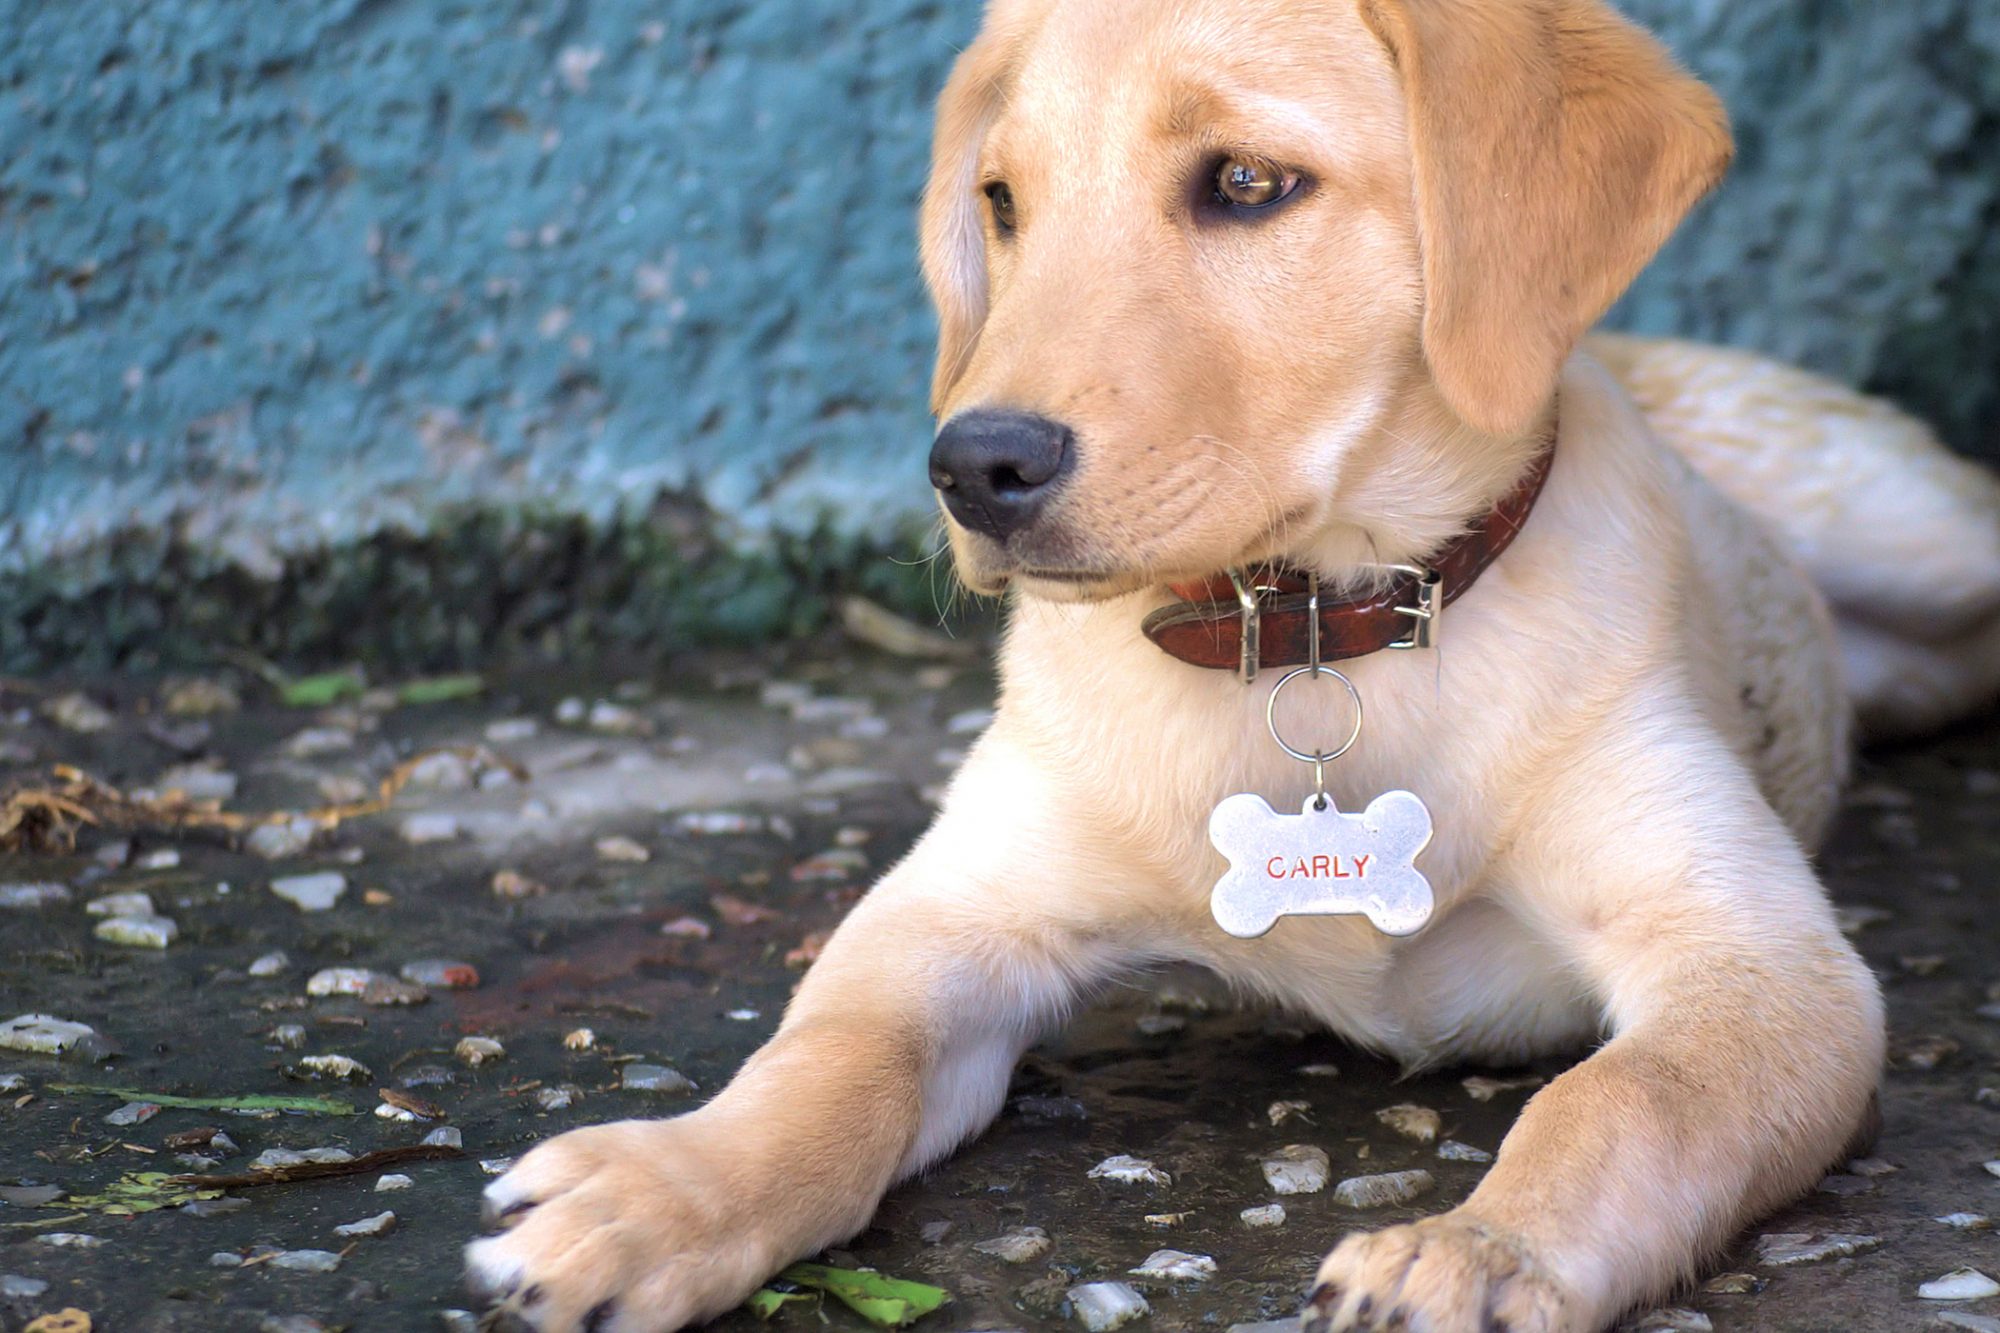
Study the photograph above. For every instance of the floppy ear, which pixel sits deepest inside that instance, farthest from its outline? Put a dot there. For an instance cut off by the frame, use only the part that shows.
(952, 221)
(1555, 146)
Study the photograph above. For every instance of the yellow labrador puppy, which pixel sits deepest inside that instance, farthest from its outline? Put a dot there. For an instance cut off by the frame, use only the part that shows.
(1296, 287)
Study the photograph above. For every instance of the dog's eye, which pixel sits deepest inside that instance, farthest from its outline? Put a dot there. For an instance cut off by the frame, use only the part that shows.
(1249, 182)
(1002, 200)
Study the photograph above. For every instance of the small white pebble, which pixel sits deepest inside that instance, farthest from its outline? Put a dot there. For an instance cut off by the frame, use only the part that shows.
(655, 1078)
(1961, 1284)
(1126, 1170)
(1482, 1089)
(121, 904)
(1176, 1266)
(344, 1067)
(42, 1034)
(1020, 1246)
(270, 964)
(311, 893)
(1264, 1215)
(477, 1051)
(1966, 1221)
(340, 981)
(1412, 1121)
(1298, 1168)
(622, 849)
(1451, 1150)
(379, 1225)
(1965, 1319)
(139, 932)
(1781, 1249)
(275, 842)
(1103, 1306)
(1393, 1187)
(390, 1183)
(509, 730)
(20, 897)
(440, 974)
(559, 1098)
(430, 827)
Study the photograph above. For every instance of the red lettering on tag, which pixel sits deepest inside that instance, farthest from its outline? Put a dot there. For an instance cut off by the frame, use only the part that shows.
(1319, 867)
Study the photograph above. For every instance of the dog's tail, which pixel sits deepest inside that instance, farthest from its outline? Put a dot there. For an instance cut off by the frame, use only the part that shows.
(1900, 534)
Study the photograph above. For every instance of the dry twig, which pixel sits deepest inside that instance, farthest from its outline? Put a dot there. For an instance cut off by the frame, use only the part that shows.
(46, 817)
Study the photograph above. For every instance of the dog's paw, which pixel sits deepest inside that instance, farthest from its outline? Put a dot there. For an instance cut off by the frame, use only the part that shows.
(1441, 1275)
(624, 1228)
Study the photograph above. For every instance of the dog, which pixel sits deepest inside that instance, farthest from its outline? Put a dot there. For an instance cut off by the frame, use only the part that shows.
(1302, 290)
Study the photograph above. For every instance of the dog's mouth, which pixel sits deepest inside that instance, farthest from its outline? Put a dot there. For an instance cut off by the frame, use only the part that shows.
(1060, 566)
(1073, 585)
(1087, 584)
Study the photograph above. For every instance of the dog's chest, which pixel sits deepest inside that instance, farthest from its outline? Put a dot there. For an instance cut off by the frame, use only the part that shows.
(1148, 748)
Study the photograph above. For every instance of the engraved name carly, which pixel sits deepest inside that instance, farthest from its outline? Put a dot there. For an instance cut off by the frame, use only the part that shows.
(1318, 867)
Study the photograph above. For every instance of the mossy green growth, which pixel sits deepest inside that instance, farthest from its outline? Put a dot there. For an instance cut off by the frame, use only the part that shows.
(479, 587)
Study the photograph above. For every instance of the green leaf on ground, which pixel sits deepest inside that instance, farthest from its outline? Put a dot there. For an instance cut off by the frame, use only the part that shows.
(135, 1193)
(329, 687)
(885, 1302)
(765, 1303)
(440, 689)
(303, 1105)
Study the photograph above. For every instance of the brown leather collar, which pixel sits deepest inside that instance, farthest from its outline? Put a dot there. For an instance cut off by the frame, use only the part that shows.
(1270, 607)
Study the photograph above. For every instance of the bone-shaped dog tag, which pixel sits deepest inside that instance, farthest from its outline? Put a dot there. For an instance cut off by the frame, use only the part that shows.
(1321, 863)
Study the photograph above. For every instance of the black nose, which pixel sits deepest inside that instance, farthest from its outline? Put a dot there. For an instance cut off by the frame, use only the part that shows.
(996, 470)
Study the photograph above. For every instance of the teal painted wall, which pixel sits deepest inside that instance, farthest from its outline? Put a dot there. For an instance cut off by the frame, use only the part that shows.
(288, 286)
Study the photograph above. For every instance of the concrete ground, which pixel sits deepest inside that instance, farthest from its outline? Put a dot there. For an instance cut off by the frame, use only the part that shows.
(636, 871)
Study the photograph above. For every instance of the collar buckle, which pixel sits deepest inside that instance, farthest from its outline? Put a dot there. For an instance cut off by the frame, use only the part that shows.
(1428, 613)
(1252, 612)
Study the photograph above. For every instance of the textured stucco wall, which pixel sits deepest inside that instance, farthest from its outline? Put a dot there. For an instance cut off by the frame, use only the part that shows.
(326, 308)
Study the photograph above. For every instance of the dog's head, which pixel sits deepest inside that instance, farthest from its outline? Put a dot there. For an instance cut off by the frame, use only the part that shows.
(1220, 277)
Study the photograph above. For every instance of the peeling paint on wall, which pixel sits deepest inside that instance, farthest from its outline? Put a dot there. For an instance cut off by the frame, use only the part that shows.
(278, 278)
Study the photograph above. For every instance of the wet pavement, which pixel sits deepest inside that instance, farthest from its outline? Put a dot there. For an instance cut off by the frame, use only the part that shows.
(633, 872)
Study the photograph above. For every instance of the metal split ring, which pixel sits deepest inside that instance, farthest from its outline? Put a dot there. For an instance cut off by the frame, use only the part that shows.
(1316, 757)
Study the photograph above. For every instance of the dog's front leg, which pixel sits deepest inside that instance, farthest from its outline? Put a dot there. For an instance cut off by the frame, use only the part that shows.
(897, 1047)
(1746, 1046)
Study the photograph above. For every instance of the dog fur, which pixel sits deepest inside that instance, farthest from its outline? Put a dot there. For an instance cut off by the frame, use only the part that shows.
(1631, 735)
